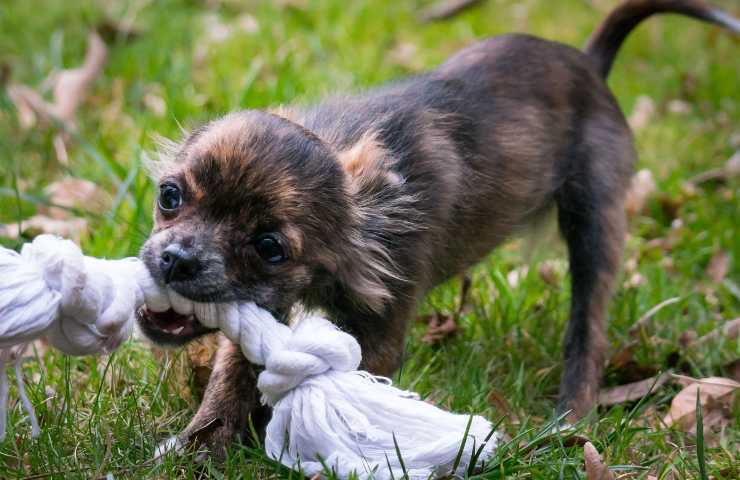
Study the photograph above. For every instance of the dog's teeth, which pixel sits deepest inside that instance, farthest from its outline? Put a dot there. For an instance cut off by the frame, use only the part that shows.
(177, 330)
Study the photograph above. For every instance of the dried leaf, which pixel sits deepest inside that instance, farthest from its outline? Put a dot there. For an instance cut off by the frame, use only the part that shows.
(595, 467)
(733, 370)
(73, 228)
(498, 401)
(714, 393)
(729, 331)
(69, 87)
(632, 391)
(729, 170)
(642, 186)
(445, 9)
(718, 266)
(643, 112)
(75, 193)
(440, 327)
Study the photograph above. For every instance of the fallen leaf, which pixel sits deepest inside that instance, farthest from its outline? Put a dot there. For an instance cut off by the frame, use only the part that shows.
(642, 113)
(642, 186)
(439, 327)
(69, 89)
(498, 401)
(729, 170)
(714, 393)
(72, 86)
(595, 467)
(728, 331)
(718, 266)
(445, 9)
(75, 193)
(632, 391)
(73, 228)
(733, 370)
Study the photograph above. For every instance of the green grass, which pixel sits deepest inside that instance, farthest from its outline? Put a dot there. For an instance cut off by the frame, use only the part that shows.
(107, 414)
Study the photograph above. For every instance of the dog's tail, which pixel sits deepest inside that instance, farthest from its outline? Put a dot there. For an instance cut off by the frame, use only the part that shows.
(604, 43)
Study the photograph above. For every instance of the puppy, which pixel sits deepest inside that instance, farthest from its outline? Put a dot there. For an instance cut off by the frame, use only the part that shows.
(359, 205)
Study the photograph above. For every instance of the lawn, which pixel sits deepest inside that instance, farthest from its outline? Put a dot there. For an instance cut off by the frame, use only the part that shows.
(189, 61)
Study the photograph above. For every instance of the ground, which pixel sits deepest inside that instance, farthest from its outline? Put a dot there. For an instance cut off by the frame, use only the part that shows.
(190, 61)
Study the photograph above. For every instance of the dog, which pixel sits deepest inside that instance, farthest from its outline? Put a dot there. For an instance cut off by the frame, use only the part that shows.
(359, 205)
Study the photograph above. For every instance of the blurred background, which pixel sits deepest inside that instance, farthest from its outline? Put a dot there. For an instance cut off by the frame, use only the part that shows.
(86, 86)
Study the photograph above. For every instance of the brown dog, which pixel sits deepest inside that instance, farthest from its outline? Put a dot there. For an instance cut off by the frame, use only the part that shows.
(361, 204)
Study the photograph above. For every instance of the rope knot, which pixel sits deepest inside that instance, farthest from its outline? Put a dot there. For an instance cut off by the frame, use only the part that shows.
(314, 347)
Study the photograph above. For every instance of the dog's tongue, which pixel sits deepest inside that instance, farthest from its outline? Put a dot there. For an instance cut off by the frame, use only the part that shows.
(168, 319)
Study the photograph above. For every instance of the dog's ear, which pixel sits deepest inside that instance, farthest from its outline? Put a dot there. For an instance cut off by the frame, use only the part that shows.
(380, 210)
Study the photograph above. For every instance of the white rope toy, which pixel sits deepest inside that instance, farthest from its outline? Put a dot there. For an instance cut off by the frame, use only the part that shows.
(325, 412)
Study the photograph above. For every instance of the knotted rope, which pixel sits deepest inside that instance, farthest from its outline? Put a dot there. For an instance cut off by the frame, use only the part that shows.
(325, 411)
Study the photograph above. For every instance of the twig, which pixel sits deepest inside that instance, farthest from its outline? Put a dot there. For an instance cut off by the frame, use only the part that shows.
(649, 314)
(445, 9)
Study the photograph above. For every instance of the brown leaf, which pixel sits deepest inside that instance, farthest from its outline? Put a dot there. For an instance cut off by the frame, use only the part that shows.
(728, 331)
(632, 391)
(72, 86)
(733, 369)
(642, 186)
(498, 401)
(57, 219)
(73, 228)
(69, 90)
(445, 9)
(718, 266)
(595, 467)
(75, 193)
(440, 327)
(729, 170)
(714, 392)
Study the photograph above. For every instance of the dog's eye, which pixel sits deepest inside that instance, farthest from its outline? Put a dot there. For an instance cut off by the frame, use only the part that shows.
(269, 249)
(170, 197)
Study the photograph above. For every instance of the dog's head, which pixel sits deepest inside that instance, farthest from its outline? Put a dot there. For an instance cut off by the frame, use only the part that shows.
(251, 207)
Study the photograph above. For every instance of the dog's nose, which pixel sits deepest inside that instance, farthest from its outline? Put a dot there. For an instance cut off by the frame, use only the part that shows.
(178, 264)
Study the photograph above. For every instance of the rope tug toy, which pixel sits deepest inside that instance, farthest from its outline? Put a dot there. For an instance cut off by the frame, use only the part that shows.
(324, 411)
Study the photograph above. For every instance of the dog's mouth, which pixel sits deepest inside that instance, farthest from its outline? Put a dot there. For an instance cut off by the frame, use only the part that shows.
(169, 327)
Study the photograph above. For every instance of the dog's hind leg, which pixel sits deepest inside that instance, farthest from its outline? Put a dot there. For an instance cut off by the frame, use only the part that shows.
(592, 220)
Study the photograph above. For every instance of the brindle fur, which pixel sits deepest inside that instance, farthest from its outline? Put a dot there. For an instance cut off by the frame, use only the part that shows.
(383, 195)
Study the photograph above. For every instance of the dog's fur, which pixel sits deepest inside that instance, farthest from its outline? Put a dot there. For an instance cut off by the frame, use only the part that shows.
(379, 197)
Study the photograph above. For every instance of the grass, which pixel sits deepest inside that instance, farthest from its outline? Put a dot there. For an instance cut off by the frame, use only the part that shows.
(107, 414)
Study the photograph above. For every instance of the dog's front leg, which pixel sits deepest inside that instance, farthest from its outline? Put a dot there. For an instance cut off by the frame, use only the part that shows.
(230, 399)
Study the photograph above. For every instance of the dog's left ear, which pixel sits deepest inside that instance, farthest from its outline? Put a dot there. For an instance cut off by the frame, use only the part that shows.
(380, 210)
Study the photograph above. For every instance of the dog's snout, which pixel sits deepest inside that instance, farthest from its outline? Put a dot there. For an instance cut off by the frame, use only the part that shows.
(178, 263)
